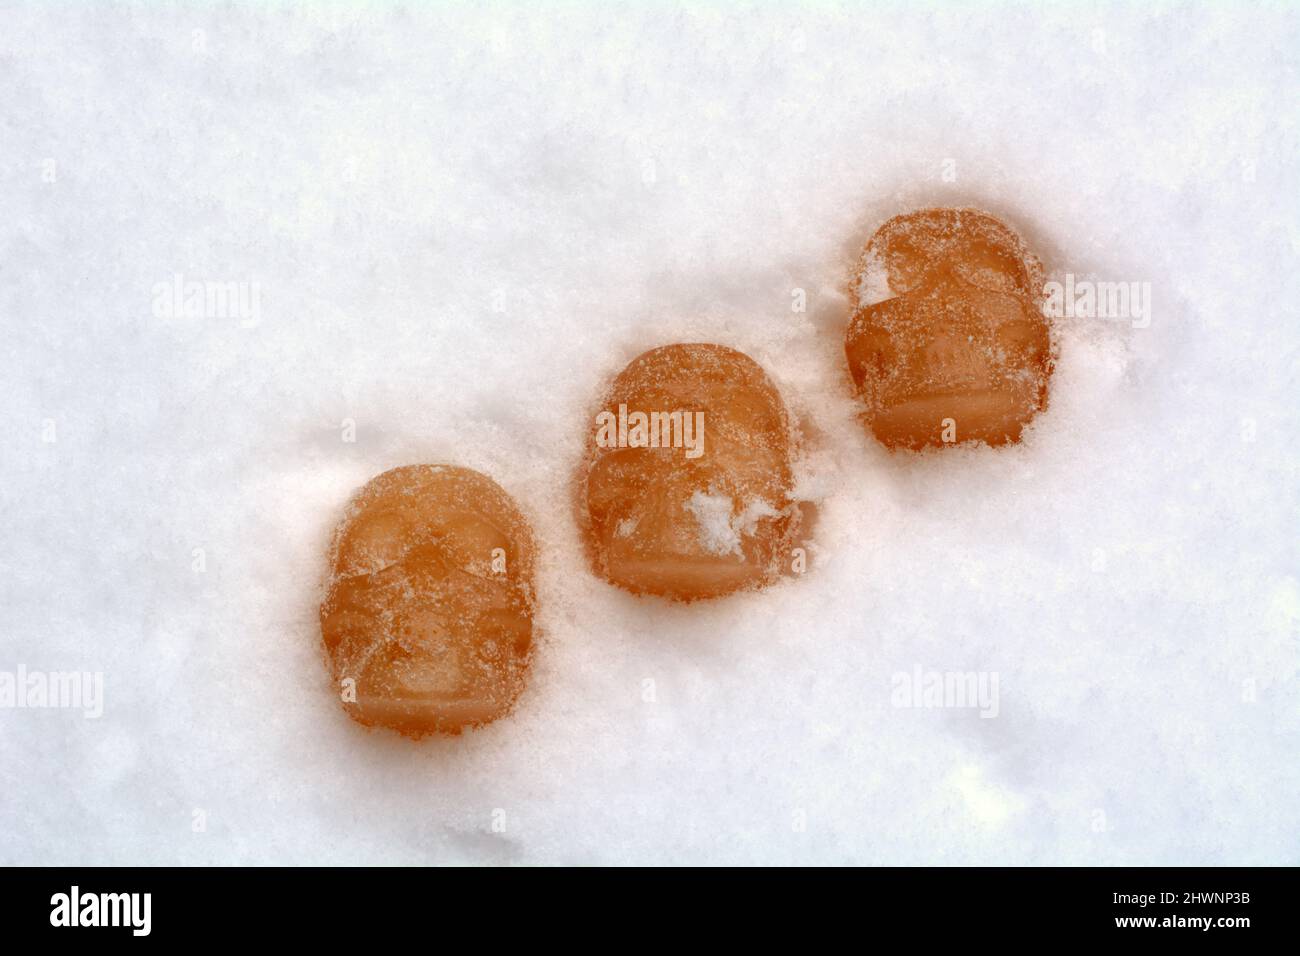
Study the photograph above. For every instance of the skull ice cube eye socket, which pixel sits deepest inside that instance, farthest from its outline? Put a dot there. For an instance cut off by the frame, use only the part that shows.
(991, 266)
(948, 342)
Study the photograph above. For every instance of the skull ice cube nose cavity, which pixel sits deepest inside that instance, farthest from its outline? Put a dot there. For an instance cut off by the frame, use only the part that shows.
(948, 341)
(428, 616)
(686, 488)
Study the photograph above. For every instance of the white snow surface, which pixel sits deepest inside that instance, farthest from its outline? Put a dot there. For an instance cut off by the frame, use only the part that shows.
(459, 223)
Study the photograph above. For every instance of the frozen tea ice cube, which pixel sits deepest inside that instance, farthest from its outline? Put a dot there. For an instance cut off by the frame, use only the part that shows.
(948, 341)
(428, 618)
(685, 491)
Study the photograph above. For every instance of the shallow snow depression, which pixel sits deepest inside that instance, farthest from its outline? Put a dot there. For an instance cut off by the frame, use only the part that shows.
(433, 235)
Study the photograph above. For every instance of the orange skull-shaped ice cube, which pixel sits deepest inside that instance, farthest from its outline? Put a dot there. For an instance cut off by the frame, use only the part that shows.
(428, 617)
(948, 342)
(685, 491)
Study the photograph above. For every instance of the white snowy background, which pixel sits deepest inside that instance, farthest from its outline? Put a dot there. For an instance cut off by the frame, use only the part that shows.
(460, 221)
